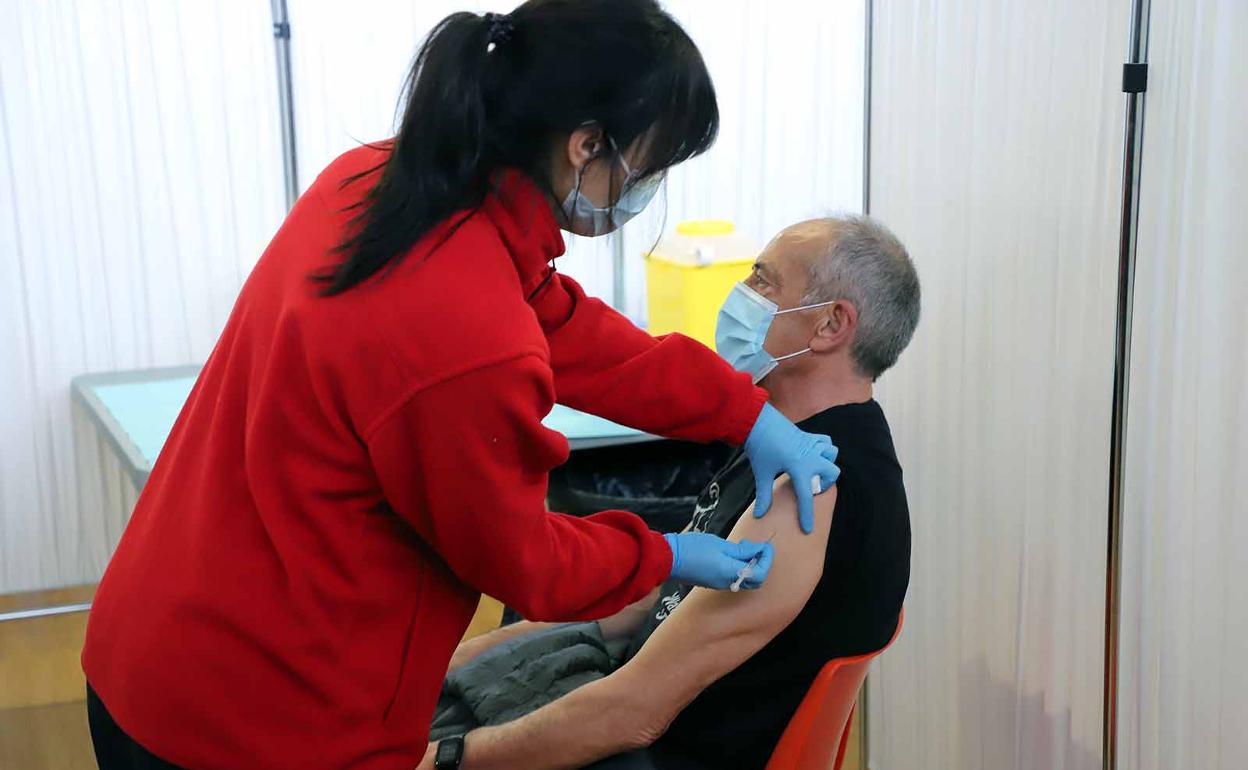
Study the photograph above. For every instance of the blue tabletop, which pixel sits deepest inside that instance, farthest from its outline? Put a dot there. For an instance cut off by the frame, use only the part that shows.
(145, 411)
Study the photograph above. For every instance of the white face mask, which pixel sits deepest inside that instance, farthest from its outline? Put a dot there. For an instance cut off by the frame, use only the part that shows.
(584, 218)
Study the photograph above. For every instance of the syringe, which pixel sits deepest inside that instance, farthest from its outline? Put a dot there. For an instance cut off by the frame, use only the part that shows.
(748, 570)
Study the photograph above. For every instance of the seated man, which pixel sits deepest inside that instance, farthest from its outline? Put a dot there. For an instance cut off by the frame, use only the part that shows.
(712, 677)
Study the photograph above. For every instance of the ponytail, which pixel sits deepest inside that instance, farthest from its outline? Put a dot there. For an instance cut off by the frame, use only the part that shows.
(434, 167)
(493, 91)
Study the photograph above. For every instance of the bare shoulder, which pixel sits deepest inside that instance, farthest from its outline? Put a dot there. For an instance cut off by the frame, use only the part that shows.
(728, 628)
(794, 575)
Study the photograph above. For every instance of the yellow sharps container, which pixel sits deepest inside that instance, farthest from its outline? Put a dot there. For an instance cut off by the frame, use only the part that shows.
(689, 274)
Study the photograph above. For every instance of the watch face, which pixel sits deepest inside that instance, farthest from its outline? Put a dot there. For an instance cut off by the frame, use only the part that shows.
(450, 751)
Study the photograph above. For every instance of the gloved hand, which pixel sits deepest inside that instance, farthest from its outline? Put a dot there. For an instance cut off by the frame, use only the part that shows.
(712, 562)
(775, 445)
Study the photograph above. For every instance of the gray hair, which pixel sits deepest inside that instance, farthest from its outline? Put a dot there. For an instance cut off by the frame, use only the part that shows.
(867, 265)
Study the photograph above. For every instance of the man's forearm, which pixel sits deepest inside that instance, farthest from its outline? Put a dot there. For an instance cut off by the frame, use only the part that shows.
(592, 722)
(617, 626)
(471, 648)
(626, 622)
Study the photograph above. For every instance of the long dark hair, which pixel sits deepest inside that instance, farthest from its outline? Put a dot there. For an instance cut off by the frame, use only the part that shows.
(494, 91)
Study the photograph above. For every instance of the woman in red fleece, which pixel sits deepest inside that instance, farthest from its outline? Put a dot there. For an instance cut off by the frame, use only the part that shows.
(363, 453)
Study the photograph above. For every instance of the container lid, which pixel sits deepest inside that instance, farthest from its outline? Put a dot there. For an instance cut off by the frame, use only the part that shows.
(698, 227)
(705, 242)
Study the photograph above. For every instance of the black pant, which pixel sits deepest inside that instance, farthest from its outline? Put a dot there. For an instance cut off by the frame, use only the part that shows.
(653, 758)
(633, 760)
(114, 750)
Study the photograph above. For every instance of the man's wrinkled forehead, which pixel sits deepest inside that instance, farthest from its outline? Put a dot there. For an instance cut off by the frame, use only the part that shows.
(795, 248)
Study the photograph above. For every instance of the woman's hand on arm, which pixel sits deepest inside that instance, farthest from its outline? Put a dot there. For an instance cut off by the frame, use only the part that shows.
(775, 445)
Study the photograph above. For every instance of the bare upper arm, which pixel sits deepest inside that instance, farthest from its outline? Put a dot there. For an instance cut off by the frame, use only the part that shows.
(727, 628)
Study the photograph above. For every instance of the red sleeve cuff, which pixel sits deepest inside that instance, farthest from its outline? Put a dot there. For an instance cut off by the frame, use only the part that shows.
(664, 562)
(742, 422)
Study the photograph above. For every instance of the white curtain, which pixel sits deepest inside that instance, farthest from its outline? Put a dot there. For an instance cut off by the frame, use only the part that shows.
(140, 178)
(1184, 675)
(996, 156)
(788, 73)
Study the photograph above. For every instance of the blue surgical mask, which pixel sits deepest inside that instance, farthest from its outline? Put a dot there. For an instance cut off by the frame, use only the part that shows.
(584, 218)
(742, 329)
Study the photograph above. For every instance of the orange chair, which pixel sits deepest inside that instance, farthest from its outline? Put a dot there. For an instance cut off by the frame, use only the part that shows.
(818, 733)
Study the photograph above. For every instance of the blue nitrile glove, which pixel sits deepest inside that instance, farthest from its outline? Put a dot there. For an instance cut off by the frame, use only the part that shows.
(775, 445)
(712, 562)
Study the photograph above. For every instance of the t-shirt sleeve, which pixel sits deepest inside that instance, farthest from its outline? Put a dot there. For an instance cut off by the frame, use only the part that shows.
(850, 525)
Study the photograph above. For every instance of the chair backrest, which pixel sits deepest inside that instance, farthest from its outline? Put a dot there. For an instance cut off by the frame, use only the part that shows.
(816, 736)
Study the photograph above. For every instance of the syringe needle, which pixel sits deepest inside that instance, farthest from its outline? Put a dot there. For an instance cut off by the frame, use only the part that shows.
(748, 570)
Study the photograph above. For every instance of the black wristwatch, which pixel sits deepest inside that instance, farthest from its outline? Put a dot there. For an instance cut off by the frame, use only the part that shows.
(449, 754)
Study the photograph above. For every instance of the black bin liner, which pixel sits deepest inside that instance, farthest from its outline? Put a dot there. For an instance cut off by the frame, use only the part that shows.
(657, 480)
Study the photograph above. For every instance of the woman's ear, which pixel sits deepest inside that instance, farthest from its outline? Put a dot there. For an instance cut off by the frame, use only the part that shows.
(585, 144)
(836, 328)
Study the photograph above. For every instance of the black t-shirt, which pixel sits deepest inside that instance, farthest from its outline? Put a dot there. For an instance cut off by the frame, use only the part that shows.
(737, 721)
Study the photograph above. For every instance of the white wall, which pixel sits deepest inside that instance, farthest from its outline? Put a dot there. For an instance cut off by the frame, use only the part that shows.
(1184, 675)
(140, 178)
(996, 156)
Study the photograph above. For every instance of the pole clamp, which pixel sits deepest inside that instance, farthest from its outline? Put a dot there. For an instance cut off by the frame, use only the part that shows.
(1135, 77)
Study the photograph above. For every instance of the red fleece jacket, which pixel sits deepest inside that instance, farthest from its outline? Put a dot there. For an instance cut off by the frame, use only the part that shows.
(350, 473)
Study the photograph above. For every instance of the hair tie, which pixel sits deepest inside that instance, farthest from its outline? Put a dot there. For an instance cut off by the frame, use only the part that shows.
(501, 29)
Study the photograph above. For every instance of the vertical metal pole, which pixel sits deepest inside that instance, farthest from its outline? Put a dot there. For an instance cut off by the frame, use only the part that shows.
(866, 109)
(617, 270)
(1137, 53)
(864, 754)
(285, 99)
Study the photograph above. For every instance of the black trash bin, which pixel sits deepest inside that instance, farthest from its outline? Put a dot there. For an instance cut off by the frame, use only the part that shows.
(657, 480)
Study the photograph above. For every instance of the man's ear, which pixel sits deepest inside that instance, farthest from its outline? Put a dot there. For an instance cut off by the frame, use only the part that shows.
(836, 328)
(584, 144)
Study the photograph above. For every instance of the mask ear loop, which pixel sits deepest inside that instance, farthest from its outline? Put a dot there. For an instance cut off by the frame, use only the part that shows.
(567, 219)
(806, 307)
(572, 196)
(794, 310)
(630, 175)
(792, 355)
(576, 188)
(615, 149)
